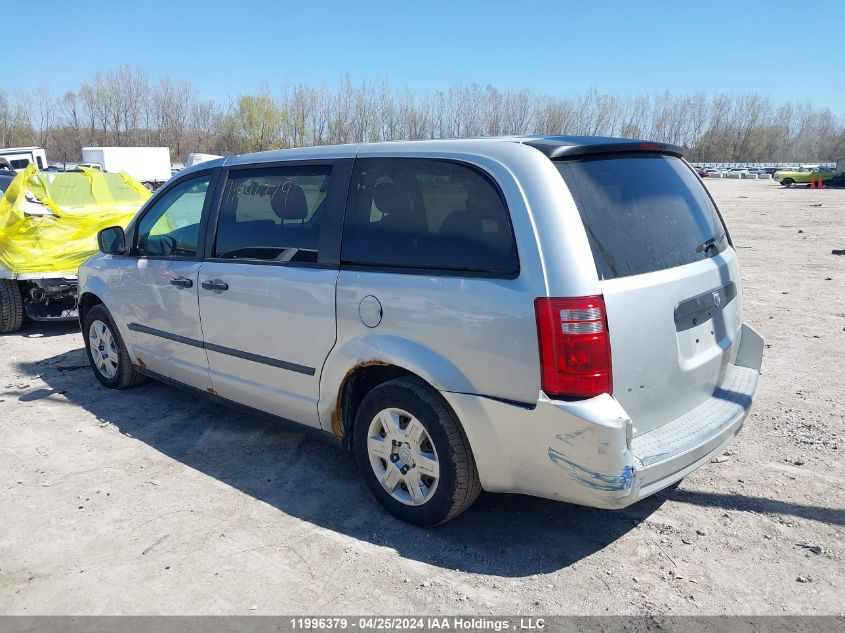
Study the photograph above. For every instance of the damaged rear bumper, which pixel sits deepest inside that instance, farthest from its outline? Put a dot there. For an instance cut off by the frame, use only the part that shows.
(584, 452)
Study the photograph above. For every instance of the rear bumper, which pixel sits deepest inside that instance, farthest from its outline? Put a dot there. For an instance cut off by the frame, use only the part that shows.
(582, 452)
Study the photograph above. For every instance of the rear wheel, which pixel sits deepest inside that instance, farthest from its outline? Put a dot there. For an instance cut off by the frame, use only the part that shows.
(106, 352)
(413, 453)
(11, 306)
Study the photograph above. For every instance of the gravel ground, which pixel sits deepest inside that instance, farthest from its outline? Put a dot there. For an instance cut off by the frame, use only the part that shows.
(153, 502)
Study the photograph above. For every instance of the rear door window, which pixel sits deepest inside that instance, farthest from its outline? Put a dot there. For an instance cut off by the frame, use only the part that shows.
(273, 214)
(643, 213)
(429, 214)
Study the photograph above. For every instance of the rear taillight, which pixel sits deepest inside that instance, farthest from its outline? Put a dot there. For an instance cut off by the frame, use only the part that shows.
(574, 346)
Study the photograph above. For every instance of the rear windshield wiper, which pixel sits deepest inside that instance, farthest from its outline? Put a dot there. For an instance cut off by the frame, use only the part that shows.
(712, 243)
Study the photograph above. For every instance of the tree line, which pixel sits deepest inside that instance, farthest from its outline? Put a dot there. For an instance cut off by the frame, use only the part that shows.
(127, 107)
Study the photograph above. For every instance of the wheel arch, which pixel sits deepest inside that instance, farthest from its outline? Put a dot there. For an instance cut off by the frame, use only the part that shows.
(354, 369)
(93, 291)
(87, 300)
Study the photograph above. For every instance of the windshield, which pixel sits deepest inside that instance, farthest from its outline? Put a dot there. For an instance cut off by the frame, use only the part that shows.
(643, 213)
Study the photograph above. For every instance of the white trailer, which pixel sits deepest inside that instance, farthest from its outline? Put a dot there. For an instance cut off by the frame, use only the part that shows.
(197, 157)
(21, 157)
(148, 165)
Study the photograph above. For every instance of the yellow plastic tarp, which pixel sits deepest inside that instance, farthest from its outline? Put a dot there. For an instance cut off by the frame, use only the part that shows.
(49, 220)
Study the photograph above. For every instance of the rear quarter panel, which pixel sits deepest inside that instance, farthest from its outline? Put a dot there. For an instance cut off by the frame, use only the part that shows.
(461, 334)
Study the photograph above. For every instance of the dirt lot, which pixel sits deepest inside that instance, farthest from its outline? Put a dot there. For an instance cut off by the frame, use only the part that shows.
(150, 501)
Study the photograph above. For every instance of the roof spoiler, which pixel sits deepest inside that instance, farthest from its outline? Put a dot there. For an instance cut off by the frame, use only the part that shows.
(555, 149)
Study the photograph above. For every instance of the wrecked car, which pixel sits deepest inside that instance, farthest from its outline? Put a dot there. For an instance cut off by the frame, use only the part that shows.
(48, 227)
(554, 316)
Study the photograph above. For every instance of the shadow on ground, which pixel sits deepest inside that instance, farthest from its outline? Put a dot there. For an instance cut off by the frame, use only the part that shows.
(46, 329)
(504, 535)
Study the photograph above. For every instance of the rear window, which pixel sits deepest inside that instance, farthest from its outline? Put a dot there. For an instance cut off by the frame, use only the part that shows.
(643, 213)
(420, 213)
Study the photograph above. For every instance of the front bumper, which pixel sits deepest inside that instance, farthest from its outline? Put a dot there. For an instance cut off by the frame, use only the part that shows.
(583, 452)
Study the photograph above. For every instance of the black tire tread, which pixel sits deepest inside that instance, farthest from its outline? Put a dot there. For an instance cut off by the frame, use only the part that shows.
(11, 306)
(467, 485)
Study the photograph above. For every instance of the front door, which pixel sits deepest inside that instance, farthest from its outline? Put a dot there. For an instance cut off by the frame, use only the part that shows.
(267, 291)
(157, 287)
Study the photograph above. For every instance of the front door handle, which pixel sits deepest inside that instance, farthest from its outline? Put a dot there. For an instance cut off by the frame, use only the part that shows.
(182, 282)
(215, 284)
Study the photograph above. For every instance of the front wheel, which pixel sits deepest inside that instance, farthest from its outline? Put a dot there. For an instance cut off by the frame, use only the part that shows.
(413, 454)
(106, 351)
(787, 182)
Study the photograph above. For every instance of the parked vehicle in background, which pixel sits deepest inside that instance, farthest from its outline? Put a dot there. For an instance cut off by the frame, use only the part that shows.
(21, 157)
(804, 175)
(714, 173)
(6, 177)
(701, 172)
(48, 226)
(555, 316)
(96, 166)
(148, 165)
(197, 158)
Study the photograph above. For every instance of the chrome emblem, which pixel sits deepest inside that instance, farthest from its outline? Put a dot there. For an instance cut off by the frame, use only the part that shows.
(717, 298)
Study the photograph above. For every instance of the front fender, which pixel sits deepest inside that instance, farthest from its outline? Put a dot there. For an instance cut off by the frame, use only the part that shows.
(92, 284)
(384, 349)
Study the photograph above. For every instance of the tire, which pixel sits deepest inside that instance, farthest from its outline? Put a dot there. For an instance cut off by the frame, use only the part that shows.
(149, 186)
(11, 306)
(787, 182)
(115, 369)
(427, 439)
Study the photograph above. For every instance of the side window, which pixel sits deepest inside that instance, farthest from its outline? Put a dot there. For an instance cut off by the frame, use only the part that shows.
(426, 213)
(273, 213)
(171, 227)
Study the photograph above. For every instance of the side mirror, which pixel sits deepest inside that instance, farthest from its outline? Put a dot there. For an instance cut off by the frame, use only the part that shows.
(112, 240)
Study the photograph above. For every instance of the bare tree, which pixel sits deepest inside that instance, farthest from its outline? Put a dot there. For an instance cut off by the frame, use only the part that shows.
(123, 107)
(172, 104)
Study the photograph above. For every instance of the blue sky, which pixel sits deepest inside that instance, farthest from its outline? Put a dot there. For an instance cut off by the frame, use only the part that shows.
(788, 51)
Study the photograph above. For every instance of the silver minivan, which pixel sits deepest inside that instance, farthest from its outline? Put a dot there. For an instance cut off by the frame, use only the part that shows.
(554, 316)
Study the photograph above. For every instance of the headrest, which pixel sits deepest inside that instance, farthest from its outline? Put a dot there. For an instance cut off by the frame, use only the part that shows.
(390, 197)
(289, 202)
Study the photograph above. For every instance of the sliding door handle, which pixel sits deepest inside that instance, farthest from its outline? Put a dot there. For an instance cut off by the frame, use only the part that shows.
(215, 284)
(182, 282)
